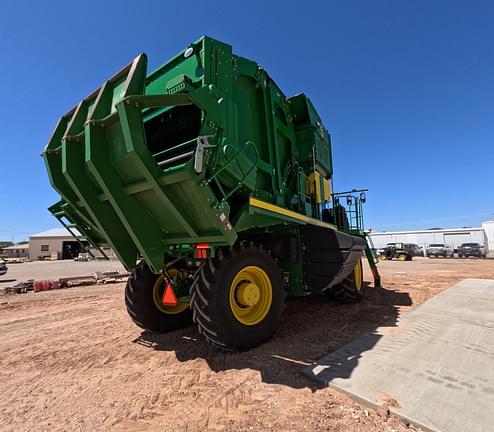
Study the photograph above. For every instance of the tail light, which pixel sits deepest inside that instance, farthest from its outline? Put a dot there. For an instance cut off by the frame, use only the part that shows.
(201, 251)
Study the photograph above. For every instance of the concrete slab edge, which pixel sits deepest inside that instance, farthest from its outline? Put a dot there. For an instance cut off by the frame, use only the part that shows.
(370, 403)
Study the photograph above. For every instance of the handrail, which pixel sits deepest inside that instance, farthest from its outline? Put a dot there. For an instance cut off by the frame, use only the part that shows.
(176, 158)
(171, 149)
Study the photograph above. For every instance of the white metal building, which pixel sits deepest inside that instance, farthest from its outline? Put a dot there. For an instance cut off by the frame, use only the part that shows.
(453, 237)
(489, 233)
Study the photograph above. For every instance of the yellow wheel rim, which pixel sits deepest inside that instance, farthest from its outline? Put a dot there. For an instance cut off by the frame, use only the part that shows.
(357, 272)
(251, 295)
(402, 257)
(158, 289)
(382, 257)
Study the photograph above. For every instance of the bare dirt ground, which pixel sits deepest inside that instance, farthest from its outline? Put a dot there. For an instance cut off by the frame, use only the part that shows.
(71, 360)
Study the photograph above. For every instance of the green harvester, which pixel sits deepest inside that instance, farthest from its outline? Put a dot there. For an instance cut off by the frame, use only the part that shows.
(213, 189)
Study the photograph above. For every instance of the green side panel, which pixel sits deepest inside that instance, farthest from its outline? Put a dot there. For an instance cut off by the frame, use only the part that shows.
(146, 236)
(85, 186)
(248, 219)
(311, 133)
(53, 161)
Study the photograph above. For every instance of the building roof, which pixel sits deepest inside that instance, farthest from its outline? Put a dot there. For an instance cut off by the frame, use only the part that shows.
(54, 232)
(17, 246)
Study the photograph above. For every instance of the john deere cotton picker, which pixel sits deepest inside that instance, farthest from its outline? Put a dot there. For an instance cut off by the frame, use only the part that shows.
(213, 189)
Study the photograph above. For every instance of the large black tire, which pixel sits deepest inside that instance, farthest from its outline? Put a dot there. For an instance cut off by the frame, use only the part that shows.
(142, 308)
(214, 288)
(351, 289)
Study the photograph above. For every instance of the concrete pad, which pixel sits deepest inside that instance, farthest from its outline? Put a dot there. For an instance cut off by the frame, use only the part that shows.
(436, 370)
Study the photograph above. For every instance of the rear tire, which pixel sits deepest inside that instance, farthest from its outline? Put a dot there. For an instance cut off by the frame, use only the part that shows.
(142, 308)
(237, 297)
(351, 289)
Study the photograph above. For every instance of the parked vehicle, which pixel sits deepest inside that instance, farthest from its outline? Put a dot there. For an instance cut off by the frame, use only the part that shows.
(416, 249)
(3, 267)
(439, 250)
(400, 251)
(83, 256)
(472, 249)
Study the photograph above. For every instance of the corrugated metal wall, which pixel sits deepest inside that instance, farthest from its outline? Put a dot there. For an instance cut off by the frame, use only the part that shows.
(489, 233)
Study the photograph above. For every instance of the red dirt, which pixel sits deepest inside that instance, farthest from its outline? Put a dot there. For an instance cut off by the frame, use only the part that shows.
(72, 360)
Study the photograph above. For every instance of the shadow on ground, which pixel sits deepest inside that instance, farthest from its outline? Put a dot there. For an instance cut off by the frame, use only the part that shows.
(310, 328)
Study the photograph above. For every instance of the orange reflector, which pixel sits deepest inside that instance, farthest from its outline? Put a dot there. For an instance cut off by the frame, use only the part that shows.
(169, 298)
(202, 246)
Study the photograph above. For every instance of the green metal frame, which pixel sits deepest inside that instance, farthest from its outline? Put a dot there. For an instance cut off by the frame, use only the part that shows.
(154, 199)
(99, 163)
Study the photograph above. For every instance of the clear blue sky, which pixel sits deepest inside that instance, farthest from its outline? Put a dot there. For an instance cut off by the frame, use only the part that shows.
(406, 89)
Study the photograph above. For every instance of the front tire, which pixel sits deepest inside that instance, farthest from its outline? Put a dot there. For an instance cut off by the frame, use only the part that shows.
(237, 298)
(142, 298)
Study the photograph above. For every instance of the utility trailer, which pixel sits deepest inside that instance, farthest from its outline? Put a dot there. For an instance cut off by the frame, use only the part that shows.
(213, 188)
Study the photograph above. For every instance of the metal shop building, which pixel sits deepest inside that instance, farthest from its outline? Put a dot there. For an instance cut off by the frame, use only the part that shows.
(56, 243)
(453, 237)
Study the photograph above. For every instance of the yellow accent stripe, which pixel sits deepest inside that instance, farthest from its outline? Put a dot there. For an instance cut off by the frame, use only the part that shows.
(326, 190)
(280, 210)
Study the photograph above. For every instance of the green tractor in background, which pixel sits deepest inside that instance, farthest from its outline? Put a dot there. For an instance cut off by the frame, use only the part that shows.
(399, 251)
(214, 189)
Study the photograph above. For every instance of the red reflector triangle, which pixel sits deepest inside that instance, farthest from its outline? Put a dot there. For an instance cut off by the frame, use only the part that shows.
(169, 298)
